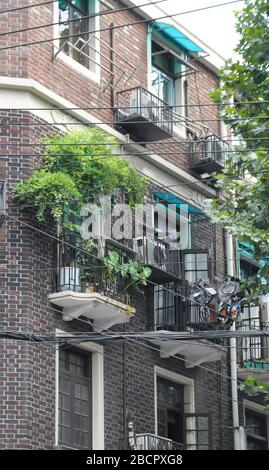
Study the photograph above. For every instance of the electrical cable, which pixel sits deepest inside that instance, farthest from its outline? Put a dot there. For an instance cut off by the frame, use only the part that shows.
(84, 17)
(14, 46)
(160, 143)
(122, 123)
(76, 108)
(11, 10)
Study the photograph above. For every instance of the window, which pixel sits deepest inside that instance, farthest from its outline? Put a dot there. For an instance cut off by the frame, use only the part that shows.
(167, 76)
(164, 303)
(195, 266)
(257, 434)
(170, 409)
(81, 47)
(75, 399)
(162, 86)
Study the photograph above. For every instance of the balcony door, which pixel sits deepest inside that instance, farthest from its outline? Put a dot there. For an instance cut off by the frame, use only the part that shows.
(170, 410)
(75, 399)
(162, 86)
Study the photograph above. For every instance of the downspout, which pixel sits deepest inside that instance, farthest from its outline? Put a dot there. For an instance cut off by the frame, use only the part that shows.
(233, 351)
(231, 271)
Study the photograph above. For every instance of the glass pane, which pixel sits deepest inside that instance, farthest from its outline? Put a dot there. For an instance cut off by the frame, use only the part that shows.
(202, 437)
(189, 262)
(64, 418)
(81, 407)
(201, 261)
(65, 385)
(191, 276)
(81, 391)
(81, 439)
(202, 423)
(64, 402)
(65, 435)
(81, 423)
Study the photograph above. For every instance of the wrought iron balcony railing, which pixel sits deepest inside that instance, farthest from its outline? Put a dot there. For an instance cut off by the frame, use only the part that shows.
(150, 442)
(253, 352)
(208, 154)
(144, 115)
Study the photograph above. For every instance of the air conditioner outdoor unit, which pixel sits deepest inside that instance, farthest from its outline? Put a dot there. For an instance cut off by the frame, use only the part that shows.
(150, 251)
(213, 150)
(156, 253)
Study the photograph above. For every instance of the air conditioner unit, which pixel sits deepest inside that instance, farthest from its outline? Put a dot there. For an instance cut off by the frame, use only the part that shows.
(156, 253)
(214, 150)
(150, 251)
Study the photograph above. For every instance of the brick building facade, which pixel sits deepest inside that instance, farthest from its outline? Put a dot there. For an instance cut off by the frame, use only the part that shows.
(43, 90)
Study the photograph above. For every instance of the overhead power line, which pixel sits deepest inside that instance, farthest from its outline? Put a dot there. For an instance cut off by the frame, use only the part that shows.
(33, 5)
(90, 255)
(85, 17)
(123, 144)
(143, 21)
(99, 108)
(121, 123)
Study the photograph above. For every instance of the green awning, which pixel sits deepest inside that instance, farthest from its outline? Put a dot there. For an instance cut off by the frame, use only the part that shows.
(169, 198)
(167, 33)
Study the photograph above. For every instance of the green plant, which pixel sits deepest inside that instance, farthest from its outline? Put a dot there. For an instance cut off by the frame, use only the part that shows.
(132, 272)
(78, 168)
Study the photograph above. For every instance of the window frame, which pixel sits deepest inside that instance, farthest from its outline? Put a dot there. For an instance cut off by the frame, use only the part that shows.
(255, 408)
(83, 380)
(194, 252)
(97, 392)
(68, 60)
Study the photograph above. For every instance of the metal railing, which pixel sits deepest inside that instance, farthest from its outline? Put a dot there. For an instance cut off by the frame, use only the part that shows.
(157, 253)
(179, 313)
(209, 154)
(80, 272)
(149, 441)
(136, 103)
(253, 352)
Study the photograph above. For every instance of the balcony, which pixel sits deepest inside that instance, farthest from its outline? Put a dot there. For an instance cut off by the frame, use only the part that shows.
(208, 155)
(155, 253)
(150, 442)
(253, 352)
(177, 313)
(80, 290)
(144, 115)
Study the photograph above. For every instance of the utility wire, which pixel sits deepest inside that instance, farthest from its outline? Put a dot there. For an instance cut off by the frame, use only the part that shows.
(11, 10)
(90, 255)
(76, 108)
(143, 154)
(123, 144)
(84, 17)
(118, 26)
(122, 123)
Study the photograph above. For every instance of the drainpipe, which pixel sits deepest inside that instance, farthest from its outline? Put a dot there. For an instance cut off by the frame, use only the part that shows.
(233, 355)
(233, 352)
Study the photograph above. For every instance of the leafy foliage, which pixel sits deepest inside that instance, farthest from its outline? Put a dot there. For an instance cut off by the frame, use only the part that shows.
(255, 388)
(135, 274)
(79, 167)
(242, 206)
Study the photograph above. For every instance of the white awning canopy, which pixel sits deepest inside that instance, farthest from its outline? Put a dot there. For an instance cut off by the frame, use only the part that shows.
(194, 352)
